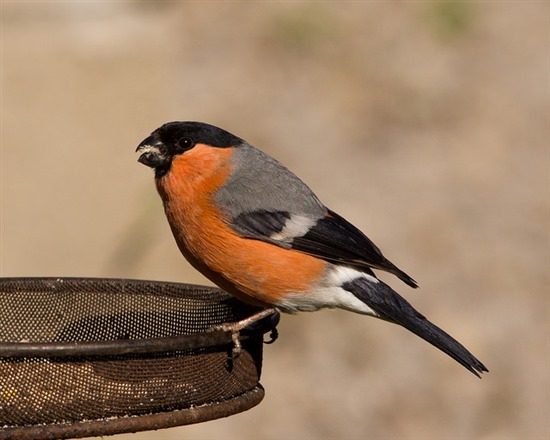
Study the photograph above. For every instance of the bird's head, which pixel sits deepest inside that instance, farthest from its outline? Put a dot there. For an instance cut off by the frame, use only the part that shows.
(174, 138)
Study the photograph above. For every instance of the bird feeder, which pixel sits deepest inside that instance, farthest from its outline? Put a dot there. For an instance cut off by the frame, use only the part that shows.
(86, 357)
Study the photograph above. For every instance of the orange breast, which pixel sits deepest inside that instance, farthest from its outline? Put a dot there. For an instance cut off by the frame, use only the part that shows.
(253, 270)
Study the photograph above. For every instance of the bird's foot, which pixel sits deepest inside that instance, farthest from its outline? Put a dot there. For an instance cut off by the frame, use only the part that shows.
(235, 328)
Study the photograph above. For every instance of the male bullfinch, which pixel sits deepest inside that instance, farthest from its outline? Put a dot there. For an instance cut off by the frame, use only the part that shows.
(257, 231)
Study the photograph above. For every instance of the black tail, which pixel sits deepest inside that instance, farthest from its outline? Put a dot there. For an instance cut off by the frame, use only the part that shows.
(392, 307)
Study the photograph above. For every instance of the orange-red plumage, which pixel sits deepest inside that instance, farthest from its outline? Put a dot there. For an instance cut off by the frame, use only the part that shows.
(253, 270)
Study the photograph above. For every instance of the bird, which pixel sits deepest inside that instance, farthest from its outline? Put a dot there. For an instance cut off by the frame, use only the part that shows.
(257, 231)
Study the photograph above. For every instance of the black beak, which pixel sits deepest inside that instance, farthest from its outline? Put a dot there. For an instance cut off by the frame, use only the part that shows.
(153, 153)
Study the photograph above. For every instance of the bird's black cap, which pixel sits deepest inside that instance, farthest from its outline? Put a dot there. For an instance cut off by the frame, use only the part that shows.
(199, 132)
(174, 138)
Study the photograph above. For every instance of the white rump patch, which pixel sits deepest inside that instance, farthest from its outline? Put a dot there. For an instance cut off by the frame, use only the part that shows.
(324, 298)
(329, 294)
(339, 275)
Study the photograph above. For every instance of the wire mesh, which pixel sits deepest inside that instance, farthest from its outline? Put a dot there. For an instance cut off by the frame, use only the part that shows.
(81, 356)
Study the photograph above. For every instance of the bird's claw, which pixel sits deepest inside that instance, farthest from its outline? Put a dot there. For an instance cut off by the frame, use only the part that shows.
(235, 329)
(272, 336)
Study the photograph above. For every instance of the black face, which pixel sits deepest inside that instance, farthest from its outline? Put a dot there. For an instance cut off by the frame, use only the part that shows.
(175, 138)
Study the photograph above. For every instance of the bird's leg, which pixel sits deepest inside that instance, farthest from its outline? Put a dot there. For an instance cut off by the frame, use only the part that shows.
(235, 327)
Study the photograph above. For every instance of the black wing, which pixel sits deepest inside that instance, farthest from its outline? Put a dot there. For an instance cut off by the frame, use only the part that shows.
(261, 224)
(331, 238)
(335, 239)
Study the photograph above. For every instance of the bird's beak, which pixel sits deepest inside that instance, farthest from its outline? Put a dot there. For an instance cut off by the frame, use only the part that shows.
(153, 152)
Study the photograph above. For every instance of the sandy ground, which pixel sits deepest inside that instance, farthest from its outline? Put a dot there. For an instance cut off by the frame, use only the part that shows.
(426, 124)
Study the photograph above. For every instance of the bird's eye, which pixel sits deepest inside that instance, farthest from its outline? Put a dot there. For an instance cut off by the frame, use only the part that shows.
(185, 143)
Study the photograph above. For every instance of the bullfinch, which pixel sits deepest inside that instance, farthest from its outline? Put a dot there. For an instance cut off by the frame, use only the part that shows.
(256, 230)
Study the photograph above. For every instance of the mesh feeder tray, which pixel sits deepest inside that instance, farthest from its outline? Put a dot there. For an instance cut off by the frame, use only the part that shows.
(84, 357)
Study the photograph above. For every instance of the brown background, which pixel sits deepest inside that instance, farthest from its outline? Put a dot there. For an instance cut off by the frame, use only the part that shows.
(426, 124)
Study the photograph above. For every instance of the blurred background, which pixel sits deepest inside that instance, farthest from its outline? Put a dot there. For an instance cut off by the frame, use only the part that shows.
(424, 123)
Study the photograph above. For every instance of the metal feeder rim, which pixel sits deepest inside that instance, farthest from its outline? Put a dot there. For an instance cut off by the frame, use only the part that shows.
(143, 422)
(121, 346)
(211, 338)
